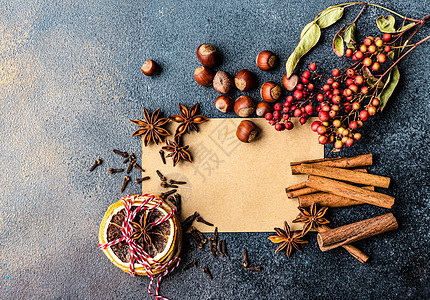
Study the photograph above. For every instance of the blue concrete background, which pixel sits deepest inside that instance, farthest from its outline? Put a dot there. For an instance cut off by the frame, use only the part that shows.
(69, 82)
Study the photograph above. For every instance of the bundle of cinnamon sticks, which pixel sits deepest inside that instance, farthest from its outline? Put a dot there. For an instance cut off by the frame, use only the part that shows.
(339, 182)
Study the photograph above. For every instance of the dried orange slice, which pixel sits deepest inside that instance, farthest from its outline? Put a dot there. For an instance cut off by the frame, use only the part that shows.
(162, 242)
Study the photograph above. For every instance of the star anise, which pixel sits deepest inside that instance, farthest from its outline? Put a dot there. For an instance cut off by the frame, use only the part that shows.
(151, 127)
(312, 218)
(287, 238)
(177, 152)
(188, 119)
(142, 230)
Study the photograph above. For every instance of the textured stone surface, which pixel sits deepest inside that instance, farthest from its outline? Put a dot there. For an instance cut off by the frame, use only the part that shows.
(69, 81)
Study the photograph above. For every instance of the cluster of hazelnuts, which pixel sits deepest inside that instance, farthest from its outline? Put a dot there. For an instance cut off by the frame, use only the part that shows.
(244, 80)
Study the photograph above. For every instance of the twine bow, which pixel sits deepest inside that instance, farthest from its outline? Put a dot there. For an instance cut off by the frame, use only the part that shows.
(137, 253)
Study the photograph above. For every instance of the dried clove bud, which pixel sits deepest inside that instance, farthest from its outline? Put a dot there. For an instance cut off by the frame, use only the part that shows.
(121, 153)
(178, 201)
(207, 272)
(199, 234)
(189, 221)
(136, 166)
(201, 220)
(96, 163)
(218, 248)
(224, 248)
(112, 171)
(214, 242)
(256, 268)
(139, 180)
(192, 264)
(171, 181)
(163, 158)
(124, 184)
(130, 166)
(245, 261)
(162, 177)
(130, 158)
(167, 194)
(165, 185)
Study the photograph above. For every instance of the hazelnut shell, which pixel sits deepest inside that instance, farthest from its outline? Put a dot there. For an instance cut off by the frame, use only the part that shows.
(245, 80)
(224, 103)
(246, 131)
(266, 60)
(223, 82)
(263, 108)
(206, 54)
(204, 76)
(270, 91)
(149, 68)
(290, 83)
(244, 106)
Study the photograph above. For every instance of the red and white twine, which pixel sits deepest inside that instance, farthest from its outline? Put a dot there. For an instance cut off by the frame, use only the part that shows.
(137, 253)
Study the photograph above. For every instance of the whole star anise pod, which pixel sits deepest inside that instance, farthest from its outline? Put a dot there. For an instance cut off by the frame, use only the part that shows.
(288, 239)
(311, 218)
(151, 127)
(188, 119)
(177, 152)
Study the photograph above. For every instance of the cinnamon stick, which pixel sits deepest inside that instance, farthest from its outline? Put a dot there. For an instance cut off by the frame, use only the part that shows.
(350, 191)
(328, 199)
(296, 187)
(346, 175)
(338, 162)
(304, 191)
(348, 234)
(354, 251)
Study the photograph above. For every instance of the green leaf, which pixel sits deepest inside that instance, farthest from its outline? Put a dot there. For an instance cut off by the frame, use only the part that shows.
(406, 27)
(389, 87)
(338, 46)
(306, 43)
(370, 79)
(329, 16)
(386, 24)
(349, 36)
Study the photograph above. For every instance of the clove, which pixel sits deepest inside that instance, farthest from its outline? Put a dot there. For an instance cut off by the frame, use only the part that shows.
(166, 185)
(96, 163)
(139, 180)
(171, 181)
(130, 158)
(178, 201)
(218, 248)
(245, 261)
(163, 158)
(125, 182)
(192, 264)
(224, 248)
(189, 221)
(256, 268)
(197, 232)
(121, 153)
(162, 177)
(214, 242)
(130, 166)
(201, 220)
(166, 194)
(112, 171)
(136, 166)
(207, 272)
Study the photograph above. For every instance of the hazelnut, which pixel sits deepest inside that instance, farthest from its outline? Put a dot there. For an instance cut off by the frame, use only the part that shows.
(149, 68)
(224, 103)
(245, 80)
(266, 60)
(244, 106)
(247, 131)
(290, 83)
(223, 82)
(206, 54)
(203, 76)
(270, 91)
(263, 108)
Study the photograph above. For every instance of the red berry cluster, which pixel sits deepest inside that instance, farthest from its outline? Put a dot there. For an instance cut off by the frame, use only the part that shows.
(345, 100)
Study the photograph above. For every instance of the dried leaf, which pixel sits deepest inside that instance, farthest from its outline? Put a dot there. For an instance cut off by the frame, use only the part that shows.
(349, 36)
(309, 39)
(338, 46)
(370, 79)
(389, 87)
(406, 27)
(386, 24)
(329, 16)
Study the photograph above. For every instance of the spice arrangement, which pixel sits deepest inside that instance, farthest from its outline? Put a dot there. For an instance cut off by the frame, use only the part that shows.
(333, 182)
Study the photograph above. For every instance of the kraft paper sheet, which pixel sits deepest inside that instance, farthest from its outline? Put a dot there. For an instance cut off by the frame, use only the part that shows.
(238, 187)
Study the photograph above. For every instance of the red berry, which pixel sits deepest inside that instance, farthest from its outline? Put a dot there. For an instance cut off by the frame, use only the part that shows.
(376, 66)
(364, 90)
(297, 113)
(335, 85)
(357, 136)
(368, 41)
(347, 92)
(338, 145)
(326, 87)
(332, 114)
(364, 115)
(286, 109)
(289, 125)
(348, 52)
(335, 72)
(277, 106)
(337, 123)
(276, 114)
(387, 49)
(279, 127)
(372, 110)
(358, 80)
(349, 81)
(268, 116)
(360, 123)
(359, 55)
(372, 49)
(325, 108)
(386, 37)
(349, 142)
(320, 97)
(378, 42)
(323, 116)
(350, 72)
(381, 57)
(298, 94)
(300, 87)
(306, 74)
(367, 62)
(363, 48)
(285, 117)
(356, 106)
(293, 108)
(309, 109)
(353, 88)
(305, 80)
(335, 107)
(315, 125)
(322, 139)
(354, 58)
(321, 129)
(347, 108)
(290, 99)
(302, 120)
(375, 102)
(330, 81)
(353, 125)
(313, 66)
(272, 122)
(336, 99)
(310, 87)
